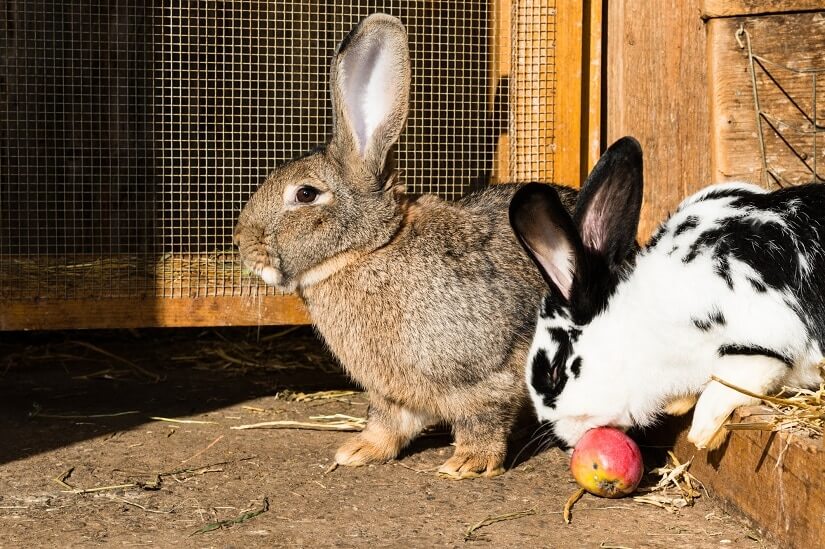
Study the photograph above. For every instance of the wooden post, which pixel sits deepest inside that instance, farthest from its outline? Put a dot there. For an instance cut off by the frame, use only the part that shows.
(555, 90)
(592, 134)
(540, 56)
(657, 91)
(501, 23)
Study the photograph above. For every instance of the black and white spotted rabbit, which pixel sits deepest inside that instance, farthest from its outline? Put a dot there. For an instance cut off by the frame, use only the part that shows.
(732, 285)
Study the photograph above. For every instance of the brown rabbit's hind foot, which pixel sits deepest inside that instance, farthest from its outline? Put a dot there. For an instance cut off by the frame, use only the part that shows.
(360, 450)
(464, 465)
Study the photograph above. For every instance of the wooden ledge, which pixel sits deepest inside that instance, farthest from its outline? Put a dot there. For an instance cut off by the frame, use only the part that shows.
(736, 8)
(54, 314)
(776, 479)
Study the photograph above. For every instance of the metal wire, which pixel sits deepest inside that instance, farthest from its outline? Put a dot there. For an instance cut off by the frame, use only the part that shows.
(532, 91)
(132, 133)
(786, 101)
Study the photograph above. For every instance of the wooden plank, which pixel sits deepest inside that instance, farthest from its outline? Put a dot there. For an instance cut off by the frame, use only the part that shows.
(567, 101)
(735, 146)
(657, 91)
(46, 314)
(730, 8)
(592, 134)
(774, 479)
(501, 33)
(555, 92)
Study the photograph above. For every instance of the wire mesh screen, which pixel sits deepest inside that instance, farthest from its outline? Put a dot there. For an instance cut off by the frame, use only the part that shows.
(532, 91)
(132, 133)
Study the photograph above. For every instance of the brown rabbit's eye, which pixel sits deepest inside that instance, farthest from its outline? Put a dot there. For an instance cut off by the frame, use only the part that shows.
(306, 195)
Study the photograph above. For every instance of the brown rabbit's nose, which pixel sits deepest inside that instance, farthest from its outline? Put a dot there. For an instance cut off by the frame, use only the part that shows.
(243, 233)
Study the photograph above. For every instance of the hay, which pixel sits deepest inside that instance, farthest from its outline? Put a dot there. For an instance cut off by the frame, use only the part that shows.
(183, 421)
(336, 422)
(793, 410)
(38, 413)
(211, 444)
(139, 369)
(100, 488)
(63, 477)
(117, 499)
(243, 517)
(242, 355)
(216, 273)
(319, 395)
(676, 487)
(470, 533)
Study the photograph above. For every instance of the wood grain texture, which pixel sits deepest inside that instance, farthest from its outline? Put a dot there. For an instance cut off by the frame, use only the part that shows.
(775, 479)
(138, 313)
(593, 132)
(501, 33)
(728, 8)
(555, 90)
(734, 131)
(657, 91)
(567, 101)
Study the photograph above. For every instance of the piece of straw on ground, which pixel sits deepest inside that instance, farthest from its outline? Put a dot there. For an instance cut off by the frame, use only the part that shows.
(470, 533)
(675, 489)
(243, 517)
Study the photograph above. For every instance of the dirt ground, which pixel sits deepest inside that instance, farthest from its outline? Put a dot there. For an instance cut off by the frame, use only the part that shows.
(89, 457)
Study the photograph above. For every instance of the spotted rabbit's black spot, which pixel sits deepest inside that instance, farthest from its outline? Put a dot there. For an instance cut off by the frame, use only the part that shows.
(660, 233)
(551, 306)
(544, 380)
(714, 318)
(576, 367)
(573, 334)
(721, 267)
(758, 286)
(702, 324)
(691, 222)
(754, 350)
(548, 377)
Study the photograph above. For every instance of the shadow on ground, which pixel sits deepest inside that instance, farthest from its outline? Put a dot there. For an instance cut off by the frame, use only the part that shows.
(58, 388)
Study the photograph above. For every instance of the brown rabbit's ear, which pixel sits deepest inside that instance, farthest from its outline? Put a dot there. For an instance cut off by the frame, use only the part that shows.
(548, 234)
(370, 91)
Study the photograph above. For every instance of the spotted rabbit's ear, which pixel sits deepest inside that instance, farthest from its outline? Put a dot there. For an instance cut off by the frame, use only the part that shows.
(547, 232)
(370, 91)
(610, 201)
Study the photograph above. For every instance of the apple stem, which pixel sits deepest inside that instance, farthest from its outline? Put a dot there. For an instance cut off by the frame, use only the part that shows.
(568, 507)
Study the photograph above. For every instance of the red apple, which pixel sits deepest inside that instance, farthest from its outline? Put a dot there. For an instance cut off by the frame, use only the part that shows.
(607, 463)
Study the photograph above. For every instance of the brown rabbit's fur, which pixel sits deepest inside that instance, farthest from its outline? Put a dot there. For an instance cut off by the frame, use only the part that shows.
(429, 304)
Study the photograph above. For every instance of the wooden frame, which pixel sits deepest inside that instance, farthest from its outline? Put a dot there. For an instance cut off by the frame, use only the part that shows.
(55, 314)
(571, 138)
(661, 76)
(657, 91)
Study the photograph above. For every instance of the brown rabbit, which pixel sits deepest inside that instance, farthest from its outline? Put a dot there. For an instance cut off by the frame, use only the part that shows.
(429, 304)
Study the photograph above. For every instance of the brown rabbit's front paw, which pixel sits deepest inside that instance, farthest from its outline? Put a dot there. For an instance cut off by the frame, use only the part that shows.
(466, 464)
(358, 451)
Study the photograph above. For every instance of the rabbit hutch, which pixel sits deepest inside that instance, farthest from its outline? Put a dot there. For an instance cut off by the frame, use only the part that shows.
(132, 133)
(736, 92)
